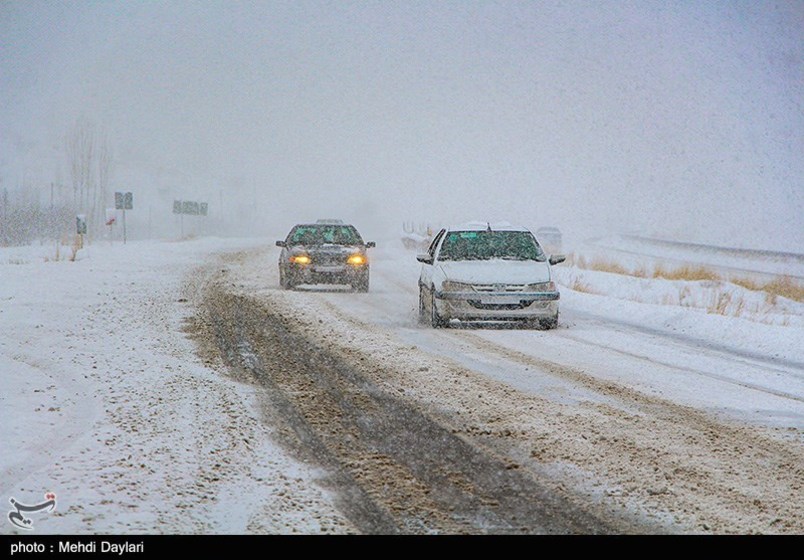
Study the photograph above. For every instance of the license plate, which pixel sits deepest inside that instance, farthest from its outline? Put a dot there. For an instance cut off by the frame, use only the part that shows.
(328, 269)
(500, 300)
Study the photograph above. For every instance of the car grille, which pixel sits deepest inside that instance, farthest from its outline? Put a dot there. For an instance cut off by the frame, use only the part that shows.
(499, 287)
(328, 259)
(499, 306)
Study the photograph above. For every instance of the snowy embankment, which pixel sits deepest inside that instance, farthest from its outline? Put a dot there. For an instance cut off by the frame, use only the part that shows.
(106, 404)
(716, 311)
(639, 251)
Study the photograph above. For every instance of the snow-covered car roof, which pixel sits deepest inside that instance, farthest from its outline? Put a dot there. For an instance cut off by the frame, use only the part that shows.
(483, 226)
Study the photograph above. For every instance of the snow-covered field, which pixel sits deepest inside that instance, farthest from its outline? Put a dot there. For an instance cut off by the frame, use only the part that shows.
(107, 404)
(634, 252)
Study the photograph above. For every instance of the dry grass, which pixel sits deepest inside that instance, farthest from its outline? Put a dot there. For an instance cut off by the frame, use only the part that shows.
(604, 265)
(78, 244)
(783, 286)
(687, 272)
(579, 286)
(724, 304)
(599, 264)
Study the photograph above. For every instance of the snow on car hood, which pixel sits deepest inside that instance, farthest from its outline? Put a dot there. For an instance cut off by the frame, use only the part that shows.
(496, 271)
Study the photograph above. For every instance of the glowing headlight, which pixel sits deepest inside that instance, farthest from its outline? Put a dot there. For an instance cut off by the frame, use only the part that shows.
(450, 286)
(300, 259)
(356, 259)
(542, 287)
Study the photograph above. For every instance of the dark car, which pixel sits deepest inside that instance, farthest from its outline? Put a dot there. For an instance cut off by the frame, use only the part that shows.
(325, 252)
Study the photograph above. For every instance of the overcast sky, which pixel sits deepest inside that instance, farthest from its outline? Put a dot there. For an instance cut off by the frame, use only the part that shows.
(681, 119)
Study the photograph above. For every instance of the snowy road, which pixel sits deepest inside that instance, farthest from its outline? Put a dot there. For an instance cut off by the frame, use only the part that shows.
(617, 425)
(175, 388)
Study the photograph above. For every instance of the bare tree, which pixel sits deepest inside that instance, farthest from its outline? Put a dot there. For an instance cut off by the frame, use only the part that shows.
(80, 144)
(105, 157)
(90, 159)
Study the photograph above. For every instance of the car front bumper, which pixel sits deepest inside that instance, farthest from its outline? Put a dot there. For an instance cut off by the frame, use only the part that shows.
(330, 274)
(490, 306)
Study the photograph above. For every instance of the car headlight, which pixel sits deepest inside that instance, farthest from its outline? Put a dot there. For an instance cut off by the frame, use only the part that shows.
(542, 287)
(356, 259)
(300, 259)
(451, 286)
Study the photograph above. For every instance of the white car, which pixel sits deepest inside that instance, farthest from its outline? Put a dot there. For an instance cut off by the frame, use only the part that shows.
(487, 272)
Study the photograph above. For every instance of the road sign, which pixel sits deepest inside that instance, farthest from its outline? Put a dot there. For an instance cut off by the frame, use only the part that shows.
(124, 201)
(189, 207)
(81, 224)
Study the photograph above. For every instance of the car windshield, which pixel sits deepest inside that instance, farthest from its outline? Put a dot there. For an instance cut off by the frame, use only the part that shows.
(324, 234)
(486, 245)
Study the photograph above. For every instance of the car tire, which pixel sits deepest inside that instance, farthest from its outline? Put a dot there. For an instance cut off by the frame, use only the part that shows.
(285, 280)
(422, 308)
(362, 285)
(436, 320)
(550, 323)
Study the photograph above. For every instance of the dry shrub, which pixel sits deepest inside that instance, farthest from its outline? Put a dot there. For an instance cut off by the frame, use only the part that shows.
(786, 287)
(783, 286)
(748, 284)
(686, 272)
(78, 244)
(579, 286)
(641, 272)
(604, 265)
(720, 304)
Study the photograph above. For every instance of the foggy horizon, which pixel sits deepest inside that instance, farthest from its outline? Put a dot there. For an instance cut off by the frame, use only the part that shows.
(670, 119)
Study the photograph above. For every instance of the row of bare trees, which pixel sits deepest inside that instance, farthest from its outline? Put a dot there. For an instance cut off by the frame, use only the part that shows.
(46, 211)
(89, 155)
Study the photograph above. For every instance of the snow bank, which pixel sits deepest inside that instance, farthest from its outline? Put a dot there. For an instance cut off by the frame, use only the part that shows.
(108, 406)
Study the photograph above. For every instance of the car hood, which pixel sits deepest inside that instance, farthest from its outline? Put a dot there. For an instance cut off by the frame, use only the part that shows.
(327, 249)
(496, 271)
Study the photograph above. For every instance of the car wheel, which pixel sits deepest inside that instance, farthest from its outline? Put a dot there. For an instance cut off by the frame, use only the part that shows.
(285, 280)
(362, 285)
(436, 320)
(550, 323)
(422, 308)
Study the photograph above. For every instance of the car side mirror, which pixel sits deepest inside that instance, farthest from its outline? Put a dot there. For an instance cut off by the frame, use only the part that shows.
(556, 259)
(425, 258)
(370, 244)
(280, 243)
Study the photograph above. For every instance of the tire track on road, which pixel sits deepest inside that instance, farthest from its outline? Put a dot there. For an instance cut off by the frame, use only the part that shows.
(396, 468)
(713, 466)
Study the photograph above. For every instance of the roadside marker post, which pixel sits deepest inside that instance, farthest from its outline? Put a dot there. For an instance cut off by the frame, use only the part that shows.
(124, 201)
